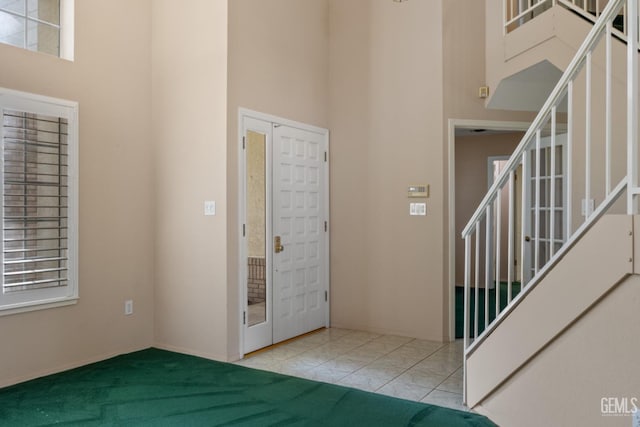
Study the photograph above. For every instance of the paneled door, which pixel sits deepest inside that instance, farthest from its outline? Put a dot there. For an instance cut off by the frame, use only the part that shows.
(284, 218)
(299, 261)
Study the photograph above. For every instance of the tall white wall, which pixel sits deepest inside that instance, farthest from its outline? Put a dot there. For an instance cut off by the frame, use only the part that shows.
(189, 105)
(386, 120)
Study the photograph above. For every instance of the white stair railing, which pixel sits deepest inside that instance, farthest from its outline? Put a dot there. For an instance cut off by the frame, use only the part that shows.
(519, 12)
(568, 170)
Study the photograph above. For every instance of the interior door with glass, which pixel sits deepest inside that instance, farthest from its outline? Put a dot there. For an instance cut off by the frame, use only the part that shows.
(538, 242)
(258, 319)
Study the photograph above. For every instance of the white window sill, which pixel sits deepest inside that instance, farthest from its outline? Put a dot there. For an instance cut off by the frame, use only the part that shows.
(40, 305)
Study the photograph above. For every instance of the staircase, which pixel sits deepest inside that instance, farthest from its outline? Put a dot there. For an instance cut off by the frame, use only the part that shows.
(575, 168)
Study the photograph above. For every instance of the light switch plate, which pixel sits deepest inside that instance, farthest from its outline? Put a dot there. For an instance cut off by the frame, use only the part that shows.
(209, 207)
(417, 209)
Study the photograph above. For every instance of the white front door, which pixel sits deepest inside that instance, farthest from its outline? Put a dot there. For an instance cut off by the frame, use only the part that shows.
(284, 250)
(299, 262)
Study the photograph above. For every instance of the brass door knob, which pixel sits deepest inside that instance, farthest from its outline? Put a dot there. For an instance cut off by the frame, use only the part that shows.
(277, 245)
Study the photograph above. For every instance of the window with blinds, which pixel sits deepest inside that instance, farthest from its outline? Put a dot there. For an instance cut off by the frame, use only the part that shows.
(35, 201)
(38, 219)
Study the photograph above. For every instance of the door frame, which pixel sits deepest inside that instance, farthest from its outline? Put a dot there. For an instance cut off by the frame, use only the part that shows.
(242, 249)
(454, 124)
(266, 128)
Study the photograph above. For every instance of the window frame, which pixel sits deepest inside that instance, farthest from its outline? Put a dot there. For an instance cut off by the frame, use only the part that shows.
(43, 298)
(66, 30)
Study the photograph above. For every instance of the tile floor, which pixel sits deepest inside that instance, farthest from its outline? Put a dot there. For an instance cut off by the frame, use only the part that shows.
(407, 368)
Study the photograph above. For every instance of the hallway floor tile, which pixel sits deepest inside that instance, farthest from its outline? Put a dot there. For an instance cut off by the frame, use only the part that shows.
(420, 370)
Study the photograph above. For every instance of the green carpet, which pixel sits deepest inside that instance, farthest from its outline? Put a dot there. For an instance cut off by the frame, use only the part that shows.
(160, 388)
(481, 296)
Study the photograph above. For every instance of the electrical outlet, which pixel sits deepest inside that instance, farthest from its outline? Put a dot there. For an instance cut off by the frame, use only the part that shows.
(128, 307)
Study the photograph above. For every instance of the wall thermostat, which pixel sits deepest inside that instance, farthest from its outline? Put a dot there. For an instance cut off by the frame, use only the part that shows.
(418, 191)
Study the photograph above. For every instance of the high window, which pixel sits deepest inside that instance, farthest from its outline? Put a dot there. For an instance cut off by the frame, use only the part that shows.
(39, 201)
(38, 25)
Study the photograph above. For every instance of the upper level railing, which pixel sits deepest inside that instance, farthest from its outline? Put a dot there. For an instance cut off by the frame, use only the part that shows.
(518, 12)
(572, 166)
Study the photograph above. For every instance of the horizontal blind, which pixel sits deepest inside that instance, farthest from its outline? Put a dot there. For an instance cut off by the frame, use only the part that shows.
(35, 201)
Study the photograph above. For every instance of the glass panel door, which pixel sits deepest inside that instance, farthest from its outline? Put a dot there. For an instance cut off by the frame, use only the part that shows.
(256, 228)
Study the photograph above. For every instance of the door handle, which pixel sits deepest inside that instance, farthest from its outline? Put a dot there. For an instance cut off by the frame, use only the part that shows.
(277, 244)
(527, 238)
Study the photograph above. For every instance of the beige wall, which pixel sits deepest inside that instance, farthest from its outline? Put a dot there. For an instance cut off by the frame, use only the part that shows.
(383, 76)
(464, 64)
(386, 123)
(110, 80)
(389, 109)
(466, 59)
(472, 153)
(278, 64)
(189, 101)
(350, 97)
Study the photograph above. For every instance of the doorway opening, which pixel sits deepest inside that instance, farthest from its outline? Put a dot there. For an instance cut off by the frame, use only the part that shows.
(474, 154)
(472, 144)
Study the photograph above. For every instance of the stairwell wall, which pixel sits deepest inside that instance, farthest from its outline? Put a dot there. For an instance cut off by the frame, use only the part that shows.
(593, 359)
